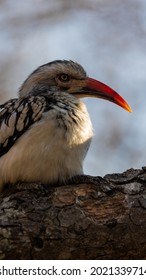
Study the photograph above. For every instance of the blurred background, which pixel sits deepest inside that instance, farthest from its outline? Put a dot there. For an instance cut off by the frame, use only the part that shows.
(108, 38)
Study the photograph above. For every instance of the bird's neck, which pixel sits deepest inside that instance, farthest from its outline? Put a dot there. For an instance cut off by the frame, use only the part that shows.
(71, 116)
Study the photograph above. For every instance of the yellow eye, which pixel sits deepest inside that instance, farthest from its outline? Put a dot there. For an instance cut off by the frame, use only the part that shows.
(64, 77)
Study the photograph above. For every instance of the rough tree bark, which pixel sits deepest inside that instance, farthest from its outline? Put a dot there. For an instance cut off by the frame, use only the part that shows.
(92, 218)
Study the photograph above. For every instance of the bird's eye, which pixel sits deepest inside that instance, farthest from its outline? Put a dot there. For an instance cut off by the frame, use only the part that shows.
(64, 78)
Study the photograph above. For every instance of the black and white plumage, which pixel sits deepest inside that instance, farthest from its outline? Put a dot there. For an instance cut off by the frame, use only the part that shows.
(16, 117)
(45, 133)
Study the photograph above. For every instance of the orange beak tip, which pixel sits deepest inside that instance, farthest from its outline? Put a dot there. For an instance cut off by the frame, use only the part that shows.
(127, 108)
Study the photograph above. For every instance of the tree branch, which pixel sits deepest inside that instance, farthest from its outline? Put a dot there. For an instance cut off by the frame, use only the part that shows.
(92, 218)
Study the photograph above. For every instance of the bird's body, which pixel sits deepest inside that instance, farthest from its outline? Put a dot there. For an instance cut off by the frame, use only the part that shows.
(54, 148)
(45, 133)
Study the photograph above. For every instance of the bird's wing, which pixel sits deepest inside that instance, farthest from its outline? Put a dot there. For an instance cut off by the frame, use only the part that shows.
(16, 116)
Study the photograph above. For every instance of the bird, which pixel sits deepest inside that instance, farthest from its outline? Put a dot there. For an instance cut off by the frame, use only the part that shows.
(46, 131)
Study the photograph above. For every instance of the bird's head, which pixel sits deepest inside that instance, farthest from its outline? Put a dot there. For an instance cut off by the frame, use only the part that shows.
(70, 77)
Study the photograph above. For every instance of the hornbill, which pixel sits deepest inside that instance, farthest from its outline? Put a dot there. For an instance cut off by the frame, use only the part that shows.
(45, 133)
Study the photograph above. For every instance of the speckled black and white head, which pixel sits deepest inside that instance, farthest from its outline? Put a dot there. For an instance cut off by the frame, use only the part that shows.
(68, 77)
(57, 75)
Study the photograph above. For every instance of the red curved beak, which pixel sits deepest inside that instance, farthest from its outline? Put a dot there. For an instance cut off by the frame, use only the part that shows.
(97, 89)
